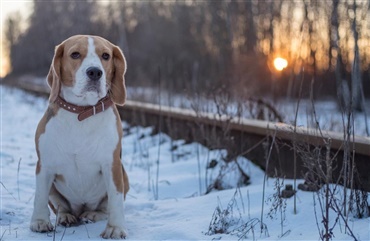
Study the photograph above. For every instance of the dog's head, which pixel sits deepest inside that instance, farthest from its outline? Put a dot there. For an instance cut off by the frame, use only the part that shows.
(85, 69)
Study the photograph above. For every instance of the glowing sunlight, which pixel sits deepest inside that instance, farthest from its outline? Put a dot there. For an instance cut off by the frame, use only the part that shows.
(280, 63)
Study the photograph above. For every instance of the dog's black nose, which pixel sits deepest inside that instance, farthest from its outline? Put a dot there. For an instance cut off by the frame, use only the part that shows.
(94, 73)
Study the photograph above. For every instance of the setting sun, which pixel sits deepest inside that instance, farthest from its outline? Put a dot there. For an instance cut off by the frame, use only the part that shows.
(280, 63)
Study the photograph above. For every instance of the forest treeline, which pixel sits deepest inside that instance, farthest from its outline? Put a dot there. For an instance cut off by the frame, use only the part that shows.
(202, 45)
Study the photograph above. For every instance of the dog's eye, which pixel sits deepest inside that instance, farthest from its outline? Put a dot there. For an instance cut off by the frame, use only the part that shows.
(75, 55)
(105, 56)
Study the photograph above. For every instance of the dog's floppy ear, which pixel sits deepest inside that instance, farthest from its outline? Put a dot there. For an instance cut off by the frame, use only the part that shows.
(54, 75)
(118, 88)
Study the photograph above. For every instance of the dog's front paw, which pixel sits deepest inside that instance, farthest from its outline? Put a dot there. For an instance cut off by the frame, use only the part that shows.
(66, 219)
(40, 225)
(93, 216)
(113, 232)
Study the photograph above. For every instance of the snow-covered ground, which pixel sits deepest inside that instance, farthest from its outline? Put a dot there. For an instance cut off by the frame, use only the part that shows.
(168, 181)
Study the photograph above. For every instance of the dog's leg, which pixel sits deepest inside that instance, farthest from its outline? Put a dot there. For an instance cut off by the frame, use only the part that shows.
(61, 208)
(114, 181)
(98, 213)
(40, 221)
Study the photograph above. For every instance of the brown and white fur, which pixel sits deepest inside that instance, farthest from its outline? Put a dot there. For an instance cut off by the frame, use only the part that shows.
(79, 171)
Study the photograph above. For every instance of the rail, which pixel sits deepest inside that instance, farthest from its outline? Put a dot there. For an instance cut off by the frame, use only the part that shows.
(244, 136)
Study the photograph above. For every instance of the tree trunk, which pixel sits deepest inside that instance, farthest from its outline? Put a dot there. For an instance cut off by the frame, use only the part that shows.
(343, 92)
(356, 84)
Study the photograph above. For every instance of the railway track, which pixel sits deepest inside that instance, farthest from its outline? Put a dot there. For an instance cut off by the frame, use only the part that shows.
(273, 146)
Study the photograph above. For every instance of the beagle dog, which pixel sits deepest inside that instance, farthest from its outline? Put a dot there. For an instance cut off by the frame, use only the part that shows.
(78, 140)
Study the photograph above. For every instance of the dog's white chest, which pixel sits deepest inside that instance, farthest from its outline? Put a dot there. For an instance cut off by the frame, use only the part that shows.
(77, 150)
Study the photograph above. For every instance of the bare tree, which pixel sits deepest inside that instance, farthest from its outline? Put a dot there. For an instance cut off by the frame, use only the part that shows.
(13, 28)
(343, 92)
(204, 44)
(12, 31)
(356, 90)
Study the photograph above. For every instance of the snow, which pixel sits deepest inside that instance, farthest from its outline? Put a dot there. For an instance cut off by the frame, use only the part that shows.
(168, 181)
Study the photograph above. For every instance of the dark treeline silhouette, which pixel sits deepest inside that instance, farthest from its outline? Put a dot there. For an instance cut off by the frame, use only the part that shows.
(203, 45)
